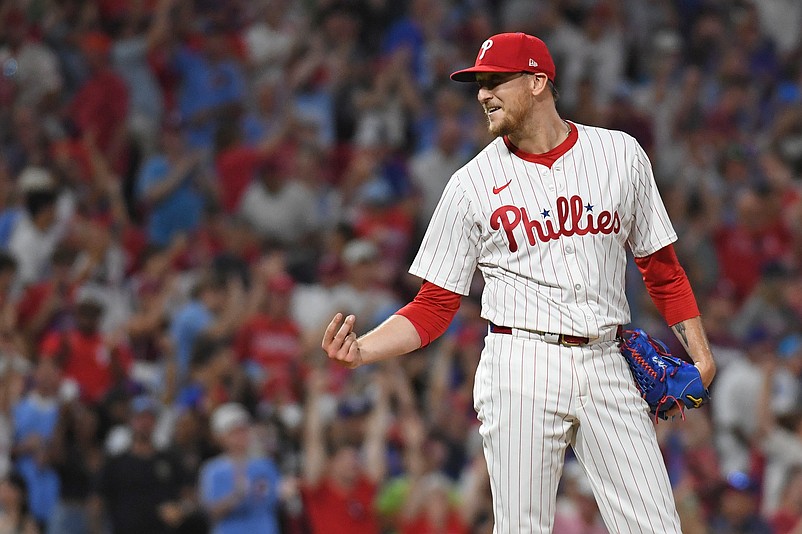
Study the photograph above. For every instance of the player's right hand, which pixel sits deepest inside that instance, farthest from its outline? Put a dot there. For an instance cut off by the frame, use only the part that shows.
(339, 342)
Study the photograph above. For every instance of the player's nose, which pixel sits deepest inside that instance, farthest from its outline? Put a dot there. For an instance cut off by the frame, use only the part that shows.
(483, 95)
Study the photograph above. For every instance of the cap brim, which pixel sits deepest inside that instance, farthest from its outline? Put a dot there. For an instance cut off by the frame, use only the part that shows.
(469, 74)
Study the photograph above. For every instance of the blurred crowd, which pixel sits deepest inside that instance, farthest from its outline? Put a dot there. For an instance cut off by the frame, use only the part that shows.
(190, 189)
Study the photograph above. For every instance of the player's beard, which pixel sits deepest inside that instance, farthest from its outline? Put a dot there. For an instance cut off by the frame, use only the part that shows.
(513, 121)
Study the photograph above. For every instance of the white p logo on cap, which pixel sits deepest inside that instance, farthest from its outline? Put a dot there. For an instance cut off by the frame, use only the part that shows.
(485, 47)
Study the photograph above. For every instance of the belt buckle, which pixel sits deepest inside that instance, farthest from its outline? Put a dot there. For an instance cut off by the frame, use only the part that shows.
(569, 343)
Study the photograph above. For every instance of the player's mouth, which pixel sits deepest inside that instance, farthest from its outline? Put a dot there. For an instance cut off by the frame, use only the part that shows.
(491, 109)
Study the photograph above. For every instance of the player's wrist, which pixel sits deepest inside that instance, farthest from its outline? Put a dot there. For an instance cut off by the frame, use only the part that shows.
(707, 370)
(358, 360)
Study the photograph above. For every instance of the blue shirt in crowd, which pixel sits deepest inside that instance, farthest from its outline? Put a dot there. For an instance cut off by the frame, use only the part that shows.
(258, 512)
(206, 85)
(179, 211)
(189, 322)
(35, 415)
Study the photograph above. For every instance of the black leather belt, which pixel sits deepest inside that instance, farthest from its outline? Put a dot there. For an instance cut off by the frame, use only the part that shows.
(566, 340)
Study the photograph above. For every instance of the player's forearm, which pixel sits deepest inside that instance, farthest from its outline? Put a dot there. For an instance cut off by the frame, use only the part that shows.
(394, 337)
(691, 334)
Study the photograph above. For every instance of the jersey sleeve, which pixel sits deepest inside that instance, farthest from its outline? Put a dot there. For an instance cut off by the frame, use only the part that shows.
(651, 228)
(449, 252)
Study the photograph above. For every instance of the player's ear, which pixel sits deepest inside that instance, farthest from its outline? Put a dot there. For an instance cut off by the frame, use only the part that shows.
(539, 84)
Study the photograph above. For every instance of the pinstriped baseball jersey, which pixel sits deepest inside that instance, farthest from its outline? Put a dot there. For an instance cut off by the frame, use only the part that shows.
(549, 241)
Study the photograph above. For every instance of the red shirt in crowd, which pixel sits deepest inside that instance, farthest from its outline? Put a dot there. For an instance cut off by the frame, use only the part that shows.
(331, 511)
(235, 169)
(275, 345)
(35, 298)
(743, 254)
(87, 359)
(422, 525)
(785, 522)
(390, 227)
(101, 107)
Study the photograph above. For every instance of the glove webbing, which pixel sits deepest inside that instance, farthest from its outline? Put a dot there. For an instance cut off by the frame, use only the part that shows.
(660, 349)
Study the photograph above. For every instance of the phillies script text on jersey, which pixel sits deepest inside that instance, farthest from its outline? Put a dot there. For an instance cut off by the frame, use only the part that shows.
(568, 219)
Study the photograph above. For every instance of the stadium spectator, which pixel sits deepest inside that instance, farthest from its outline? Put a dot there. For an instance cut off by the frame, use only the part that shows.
(8, 296)
(211, 82)
(430, 169)
(364, 290)
(141, 489)
(41, 226)
(171, 188)
(278, 207)
(214, 378)
(35, 418)
(129, 57)
(29, 66)
(787, 519)
(76, 455)
(269, 344)
(779, 431)
(14, 514)
(739, 509)
(735, 430)
(48, 306)
(100, 107)
(339, 490)
(215, 309)
(240, 492)
(96, 362)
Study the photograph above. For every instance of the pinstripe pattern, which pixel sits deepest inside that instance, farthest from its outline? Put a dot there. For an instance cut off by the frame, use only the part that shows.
(551, 246)
(616, 443)
(573, 284)
(535, 399)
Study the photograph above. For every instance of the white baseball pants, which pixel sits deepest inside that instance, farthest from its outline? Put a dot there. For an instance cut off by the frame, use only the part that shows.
(533, 400)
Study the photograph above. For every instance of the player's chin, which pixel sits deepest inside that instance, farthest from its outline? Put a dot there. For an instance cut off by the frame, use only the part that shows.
(496, 128)
(500, 125)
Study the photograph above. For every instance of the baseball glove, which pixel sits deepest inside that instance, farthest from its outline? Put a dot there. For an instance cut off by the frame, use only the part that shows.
(663, 380)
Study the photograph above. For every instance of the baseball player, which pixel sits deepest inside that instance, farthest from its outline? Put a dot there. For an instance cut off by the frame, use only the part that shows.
(546, 212)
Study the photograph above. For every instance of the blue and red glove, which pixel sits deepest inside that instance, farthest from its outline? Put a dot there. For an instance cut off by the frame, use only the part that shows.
(663, 380)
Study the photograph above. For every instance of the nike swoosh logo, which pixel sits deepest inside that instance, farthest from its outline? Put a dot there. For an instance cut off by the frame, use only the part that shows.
(499, 189)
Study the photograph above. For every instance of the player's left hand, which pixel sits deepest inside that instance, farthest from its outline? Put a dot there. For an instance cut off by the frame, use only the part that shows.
(340, 342)
(706, 375)
(667, 384)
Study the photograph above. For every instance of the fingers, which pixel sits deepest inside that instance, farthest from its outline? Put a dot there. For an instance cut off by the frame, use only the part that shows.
(340, 341)
(345, 329)
(335, 334)
(328, 335)
(673, 411)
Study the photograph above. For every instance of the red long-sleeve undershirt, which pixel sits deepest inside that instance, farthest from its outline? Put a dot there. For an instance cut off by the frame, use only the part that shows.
(668, 285)
(431, 311)
(433, 308)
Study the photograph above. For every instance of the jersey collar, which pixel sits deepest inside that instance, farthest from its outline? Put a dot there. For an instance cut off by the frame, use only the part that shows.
(547, 158)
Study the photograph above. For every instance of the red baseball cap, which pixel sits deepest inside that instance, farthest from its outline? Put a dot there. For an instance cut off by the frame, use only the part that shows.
(509, 52)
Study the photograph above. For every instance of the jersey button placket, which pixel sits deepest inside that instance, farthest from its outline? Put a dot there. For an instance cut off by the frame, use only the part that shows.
(548, 179)
(559, 178)
(572, 264)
